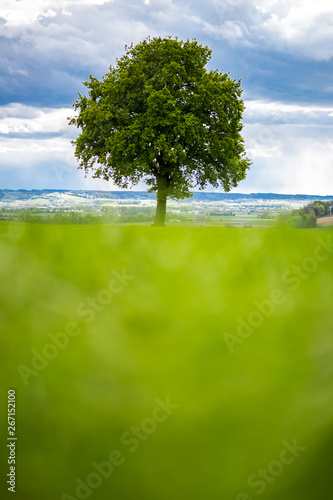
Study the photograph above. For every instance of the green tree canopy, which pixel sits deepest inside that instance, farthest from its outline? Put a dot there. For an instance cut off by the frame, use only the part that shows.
(305, 217)
(159, 116)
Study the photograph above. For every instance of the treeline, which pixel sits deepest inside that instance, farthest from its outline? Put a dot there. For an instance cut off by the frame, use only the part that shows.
(265, 214)
(305, 217)
(222, 213)
(108, 215)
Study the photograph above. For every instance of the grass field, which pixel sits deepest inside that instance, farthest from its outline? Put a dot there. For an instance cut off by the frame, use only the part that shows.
(168, 363)
(325, 221)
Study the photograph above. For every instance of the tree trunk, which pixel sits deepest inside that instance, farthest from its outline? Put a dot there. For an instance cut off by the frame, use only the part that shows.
(160, 212)
(162, 183)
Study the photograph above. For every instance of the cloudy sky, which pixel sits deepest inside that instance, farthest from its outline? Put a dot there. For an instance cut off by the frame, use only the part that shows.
(281, 49)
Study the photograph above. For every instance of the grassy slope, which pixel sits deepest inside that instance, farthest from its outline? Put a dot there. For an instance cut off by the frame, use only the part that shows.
(163, 335)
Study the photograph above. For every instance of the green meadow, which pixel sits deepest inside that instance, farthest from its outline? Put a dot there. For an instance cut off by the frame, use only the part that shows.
(173, 363)
(226, 221)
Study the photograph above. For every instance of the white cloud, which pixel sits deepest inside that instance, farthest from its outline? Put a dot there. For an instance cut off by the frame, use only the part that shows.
(19, 13)
(279, 112)
(21, 119)
(38, 163)
(291, 147)
(232, 30)
(302, 27)
(303, 166)
(31, 159)
(288, 157)
(55, 49)
(32, 147)
(13, 71)
(35, 163)
(305, 28)
(281, 107)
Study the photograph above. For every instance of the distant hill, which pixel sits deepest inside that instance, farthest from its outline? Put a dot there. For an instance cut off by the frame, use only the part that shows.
(8, 195)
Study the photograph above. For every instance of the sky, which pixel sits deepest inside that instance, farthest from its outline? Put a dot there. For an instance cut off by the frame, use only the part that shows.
(282, 50)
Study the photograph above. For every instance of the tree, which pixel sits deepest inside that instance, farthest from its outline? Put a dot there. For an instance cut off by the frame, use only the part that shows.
(265, 214)
(159, 116)
(301, 219)
(310, 220)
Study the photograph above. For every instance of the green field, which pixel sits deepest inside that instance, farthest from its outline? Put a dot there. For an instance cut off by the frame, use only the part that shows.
(173, 363)
(227, 221)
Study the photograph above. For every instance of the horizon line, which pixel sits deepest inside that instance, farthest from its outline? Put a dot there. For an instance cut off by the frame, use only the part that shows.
(145, 192)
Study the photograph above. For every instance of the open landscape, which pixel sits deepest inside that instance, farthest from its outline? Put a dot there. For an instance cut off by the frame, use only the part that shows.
(126, 207)
(166, 250)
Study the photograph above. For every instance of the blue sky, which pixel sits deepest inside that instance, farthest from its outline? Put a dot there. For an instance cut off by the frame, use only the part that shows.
(281, 49)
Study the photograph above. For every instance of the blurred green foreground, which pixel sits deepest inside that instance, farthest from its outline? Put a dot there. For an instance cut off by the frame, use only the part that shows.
(167, 364)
